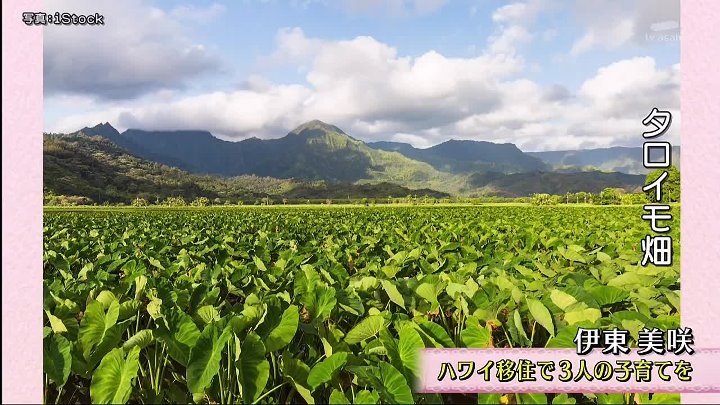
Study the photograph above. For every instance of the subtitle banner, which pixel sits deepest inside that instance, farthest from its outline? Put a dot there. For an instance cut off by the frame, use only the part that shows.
(564, 371)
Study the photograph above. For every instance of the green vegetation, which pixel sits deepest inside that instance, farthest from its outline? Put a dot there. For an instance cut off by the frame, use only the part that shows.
(525, 184)
(545, 199)
(318, 152)
(614, 159)
(312, 151)
(670, 186)
(463, 156)
(82, 170)
(318, 305)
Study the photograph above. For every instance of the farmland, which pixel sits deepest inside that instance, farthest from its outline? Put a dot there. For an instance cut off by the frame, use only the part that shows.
(318, 305)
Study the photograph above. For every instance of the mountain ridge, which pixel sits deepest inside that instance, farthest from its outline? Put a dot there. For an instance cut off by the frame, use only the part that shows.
(96, 168)
(317, 150)
(626, 159)
(467, 156)
(312, 151)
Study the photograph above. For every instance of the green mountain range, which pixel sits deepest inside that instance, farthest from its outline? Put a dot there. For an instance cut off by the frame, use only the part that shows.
(457, 156)
(96, 168)
(315, 160)
(313, 151)
(617, 159)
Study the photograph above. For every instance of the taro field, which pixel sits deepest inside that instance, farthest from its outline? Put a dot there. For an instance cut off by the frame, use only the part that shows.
(329, 305)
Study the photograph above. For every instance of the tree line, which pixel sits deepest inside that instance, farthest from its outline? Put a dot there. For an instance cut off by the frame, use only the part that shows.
(670, 192)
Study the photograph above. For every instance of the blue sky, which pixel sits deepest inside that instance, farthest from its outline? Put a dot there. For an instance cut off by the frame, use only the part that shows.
(544, 74)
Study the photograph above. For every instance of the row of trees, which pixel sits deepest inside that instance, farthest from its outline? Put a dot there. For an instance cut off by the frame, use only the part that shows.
(413, 200)
(609, 196)
(65, 200)
(670, 192)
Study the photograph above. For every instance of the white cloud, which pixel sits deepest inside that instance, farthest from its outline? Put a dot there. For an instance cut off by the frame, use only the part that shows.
(608, 37)
(353, 82)
(415, 140)
(623, 86)
(373, 92)
(517, 13)
(607, 111)
(140, 49)
(515, 22)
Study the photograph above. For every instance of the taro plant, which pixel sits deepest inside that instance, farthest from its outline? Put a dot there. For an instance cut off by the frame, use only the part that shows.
(322, 305)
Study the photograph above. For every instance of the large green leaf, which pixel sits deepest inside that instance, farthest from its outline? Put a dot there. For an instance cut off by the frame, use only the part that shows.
(337, 397)
(322, 304)
(533, 398)
(429, 292)
(297, 373)
(283, 330)
(395, 389)
(326, 370)
(112, 380)
(106, 298)
(610, 399)
(368, 327)
(56, 323)
(605, 295)
(436, 334)
(475, 337)
(541, 314)
(95, 324)
(582, 313)
(561, 298)
(112, 338)
(408, 349)
(393, 293)
(390, 344)
(204, 362)
(57, 358)
(564, 399)
(142, 339)
(179, 334)
(208, 314)
(631, 279)
(252, 367)
(365, 397)
(574, 256)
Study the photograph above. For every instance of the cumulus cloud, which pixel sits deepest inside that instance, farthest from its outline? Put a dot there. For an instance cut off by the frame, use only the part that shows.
(355, 82)
(606, 111)
(373, 92)
(625, 85)
(523, 13)
(515, 24)
(140, 49)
